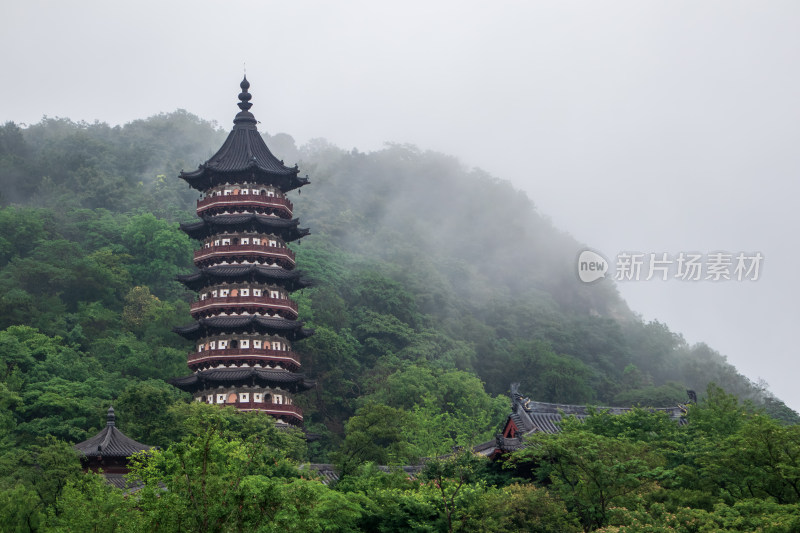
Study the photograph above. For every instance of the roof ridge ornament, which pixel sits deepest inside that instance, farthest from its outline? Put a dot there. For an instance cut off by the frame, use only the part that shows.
(111, 417)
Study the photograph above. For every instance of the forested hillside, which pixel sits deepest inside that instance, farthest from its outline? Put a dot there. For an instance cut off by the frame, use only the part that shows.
(435, 286)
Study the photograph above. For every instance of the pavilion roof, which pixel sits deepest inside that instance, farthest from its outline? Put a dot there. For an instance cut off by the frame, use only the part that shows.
(110, 442)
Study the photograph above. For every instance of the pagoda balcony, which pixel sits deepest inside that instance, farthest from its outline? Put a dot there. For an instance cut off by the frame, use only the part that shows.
(277, 410)
(289, 358)
(245, 200)
(247, 250)
(249, 303)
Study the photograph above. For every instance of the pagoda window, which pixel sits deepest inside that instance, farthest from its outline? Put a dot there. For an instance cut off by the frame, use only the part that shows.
(276, 345)
(216, 242)
(244, 396)
(232, 398)
(258, 397)
(274, 294)
(263, 192)
(210, 398)
(200, 347)
(224, 293)
(256, 292)
(256, 240)
(235, 293)
(256, 344)
(271, 194)
(245, 240)
(223, 345)
(277, 399)
(226, 242)
(244, 292)
(273, 243)
(208, 245)
(203, 296)
(236, 191)
(227, 192)
(220, 398)
(234, 344)
(212, 345)
(244, 343)
(214, 293)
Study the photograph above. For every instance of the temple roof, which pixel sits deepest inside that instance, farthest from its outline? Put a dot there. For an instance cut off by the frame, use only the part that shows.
(212, 224)
(110, 442)
(244, 152)
(264, 376)
(528, 417)
(289, 279)
(291, 329)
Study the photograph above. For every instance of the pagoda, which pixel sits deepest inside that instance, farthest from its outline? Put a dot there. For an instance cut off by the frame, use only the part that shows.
(109, 452)
(245, 322)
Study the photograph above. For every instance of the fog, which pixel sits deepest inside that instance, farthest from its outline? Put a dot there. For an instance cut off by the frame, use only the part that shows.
(661, 127)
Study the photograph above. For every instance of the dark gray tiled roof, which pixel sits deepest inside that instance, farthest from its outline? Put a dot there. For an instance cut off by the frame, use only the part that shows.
(221, 376)
(541, 417)
(290, 279)
(119, 481)
(110, 442)
(212, 224)
(291, 329)
(244, 149)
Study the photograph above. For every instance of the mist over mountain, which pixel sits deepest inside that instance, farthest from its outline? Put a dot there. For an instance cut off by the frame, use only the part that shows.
(435, 286)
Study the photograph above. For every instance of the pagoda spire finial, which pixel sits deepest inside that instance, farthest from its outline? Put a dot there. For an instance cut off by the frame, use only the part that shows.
(244, 96)
(245, 117)
(110, 417)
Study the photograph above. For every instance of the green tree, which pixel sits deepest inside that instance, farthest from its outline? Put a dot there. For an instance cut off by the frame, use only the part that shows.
(89, 503)
(376, 433)
(145, 412)
(760, 460)
(160, 250)
(591, 473)
(519, 507)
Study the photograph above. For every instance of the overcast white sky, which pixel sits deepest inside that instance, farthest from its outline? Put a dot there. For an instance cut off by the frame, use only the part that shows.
(660, 126)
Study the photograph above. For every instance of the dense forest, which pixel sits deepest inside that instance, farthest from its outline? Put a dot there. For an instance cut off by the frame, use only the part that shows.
(434, 287)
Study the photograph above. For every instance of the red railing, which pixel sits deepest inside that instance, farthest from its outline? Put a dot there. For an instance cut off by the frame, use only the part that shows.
(235, 249)
(259, 200)
(238, 353)
(260, 301)
(270, 408)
